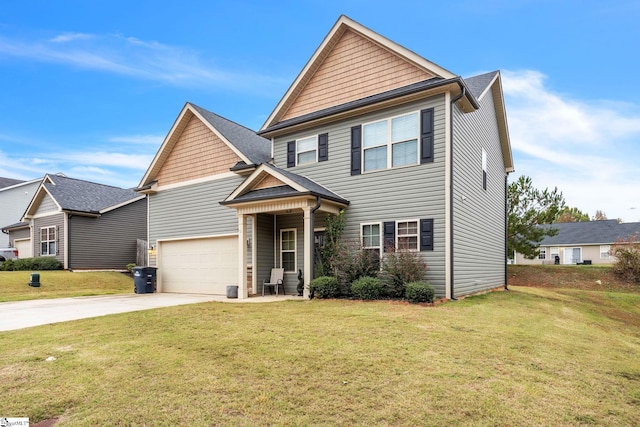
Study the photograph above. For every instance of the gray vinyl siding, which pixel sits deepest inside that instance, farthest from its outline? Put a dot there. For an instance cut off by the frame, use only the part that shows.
(56, 220)
(265, 252)
(13, 203)
(24, 233)
(406, 193)
(47, 205)
(295, 221)
(109, 241)
(192, 211)
(479, 221)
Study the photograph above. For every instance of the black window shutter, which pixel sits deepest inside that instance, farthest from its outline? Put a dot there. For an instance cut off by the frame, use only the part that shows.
(389, 234)
(356, 153)
(323, 147)
(426, 234)
(291, 154)
(426, 136)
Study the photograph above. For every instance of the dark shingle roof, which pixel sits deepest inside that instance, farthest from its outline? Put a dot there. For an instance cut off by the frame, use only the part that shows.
(384, 96)
(84, 196)
(8, 182)
(478, 84)
(310, 185)
(255, 147)
(590, 232)
(16, 226)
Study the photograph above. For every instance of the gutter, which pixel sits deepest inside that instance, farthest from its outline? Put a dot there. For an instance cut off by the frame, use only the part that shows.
(451, 198)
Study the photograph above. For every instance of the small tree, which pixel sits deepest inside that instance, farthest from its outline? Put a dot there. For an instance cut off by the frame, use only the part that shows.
(627, 253)
(327, 253)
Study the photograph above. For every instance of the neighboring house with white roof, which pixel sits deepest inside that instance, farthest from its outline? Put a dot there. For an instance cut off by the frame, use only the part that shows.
(589, 242)
(85, 225)
(415, 155)
(15, 196)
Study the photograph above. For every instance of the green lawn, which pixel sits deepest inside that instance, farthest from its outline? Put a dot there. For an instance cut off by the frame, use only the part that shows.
(526, 357)
(14, 285)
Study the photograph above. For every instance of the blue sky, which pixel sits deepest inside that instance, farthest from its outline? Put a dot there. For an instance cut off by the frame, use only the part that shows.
(91, 88)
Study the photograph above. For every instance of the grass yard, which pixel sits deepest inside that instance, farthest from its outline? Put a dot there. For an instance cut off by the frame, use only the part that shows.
(527, 357)
(14, 285)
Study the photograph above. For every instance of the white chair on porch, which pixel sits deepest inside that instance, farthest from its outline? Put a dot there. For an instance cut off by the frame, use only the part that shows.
(276, 279)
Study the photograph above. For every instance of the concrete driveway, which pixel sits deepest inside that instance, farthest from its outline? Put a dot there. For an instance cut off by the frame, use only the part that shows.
(24, 314)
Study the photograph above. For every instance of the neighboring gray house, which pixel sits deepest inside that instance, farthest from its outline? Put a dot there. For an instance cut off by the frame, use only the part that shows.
(416, 156)
(15, 196)
(580, 242)
(83, 224)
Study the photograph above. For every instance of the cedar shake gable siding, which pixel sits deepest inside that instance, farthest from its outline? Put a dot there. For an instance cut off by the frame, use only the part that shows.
(355, 68)
(198, 153)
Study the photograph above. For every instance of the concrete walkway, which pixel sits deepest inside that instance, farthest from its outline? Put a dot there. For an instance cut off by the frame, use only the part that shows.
(25, 314)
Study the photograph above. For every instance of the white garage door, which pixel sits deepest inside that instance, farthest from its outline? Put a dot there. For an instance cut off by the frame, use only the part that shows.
(24, 248)
(198, 266)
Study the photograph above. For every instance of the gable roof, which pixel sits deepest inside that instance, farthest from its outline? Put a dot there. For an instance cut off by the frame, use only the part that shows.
(75, 195)
(293, 185)
(590, 232)
(250, 147)
(491, 83)
(343, 25)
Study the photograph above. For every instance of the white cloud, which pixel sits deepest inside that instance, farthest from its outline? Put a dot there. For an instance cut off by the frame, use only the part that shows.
(130, 56)
(155, 140)
(586, 148)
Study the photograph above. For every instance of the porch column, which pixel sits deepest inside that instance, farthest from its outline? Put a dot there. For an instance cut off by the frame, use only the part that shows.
(308, 244)
(243, 292)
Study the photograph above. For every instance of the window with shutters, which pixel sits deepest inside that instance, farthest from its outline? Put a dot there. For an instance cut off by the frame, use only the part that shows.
(407, 235)
(306, 150)
(48, 241)
(372, 237)
(391, 142)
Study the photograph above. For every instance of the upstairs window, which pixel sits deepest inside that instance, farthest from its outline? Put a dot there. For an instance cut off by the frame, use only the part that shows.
(48, 241)
(390, 143)
(307, 150)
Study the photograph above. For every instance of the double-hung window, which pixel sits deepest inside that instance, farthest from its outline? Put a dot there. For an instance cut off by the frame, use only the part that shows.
(288, 249)
(407, 235)
(543, 253)
(48, 241)
(307, 150)
(391, 142)
(605, 250)
(371, 237)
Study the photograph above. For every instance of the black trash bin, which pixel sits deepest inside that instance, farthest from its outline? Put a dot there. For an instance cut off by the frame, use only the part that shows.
(144, 279)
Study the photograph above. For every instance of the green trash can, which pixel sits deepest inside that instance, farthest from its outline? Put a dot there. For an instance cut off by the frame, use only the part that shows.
(35, 280)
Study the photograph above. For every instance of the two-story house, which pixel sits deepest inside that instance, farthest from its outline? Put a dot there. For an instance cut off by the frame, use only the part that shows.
(416, 156)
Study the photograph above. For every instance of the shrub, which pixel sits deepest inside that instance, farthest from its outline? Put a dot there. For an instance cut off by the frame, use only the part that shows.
(353, 262)
(368, 288)
(324, 287)
(627, 252)
(25, 264)
(420, 292)
(400, 267)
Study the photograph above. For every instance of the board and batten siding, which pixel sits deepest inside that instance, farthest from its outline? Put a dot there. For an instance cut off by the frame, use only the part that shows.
(192, 211)
(57, 221)
(109, 241)
(479, 214)
(405, 193)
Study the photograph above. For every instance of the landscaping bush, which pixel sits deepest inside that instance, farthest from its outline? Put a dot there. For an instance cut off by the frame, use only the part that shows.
(627, 252)
(26, 264)
(324, 287)
(353, 262)
(420, 292)
(400, 267)
(369, 288)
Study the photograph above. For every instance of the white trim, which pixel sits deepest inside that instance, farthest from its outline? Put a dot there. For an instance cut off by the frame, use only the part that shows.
(33, 181)
(295, 249)
(342, 24)
(390, 143)
(263, 169)
(447, 194)
(397, 235)
(380, 236)
(315, 149)
(488, 87)
(55, 241)
(114, 207)
(196, 181)
(209, 236)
